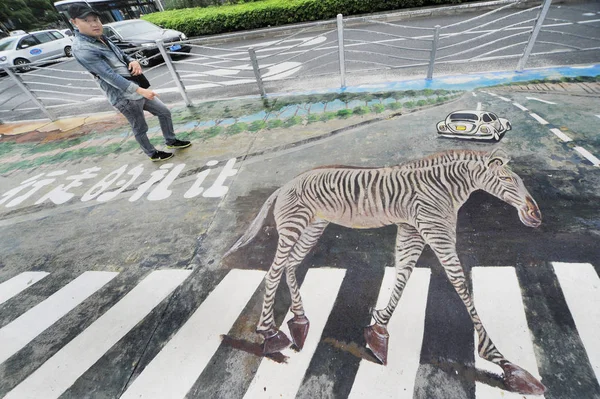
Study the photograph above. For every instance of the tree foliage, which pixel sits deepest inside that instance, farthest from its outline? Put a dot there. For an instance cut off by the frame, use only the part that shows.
(27, 14)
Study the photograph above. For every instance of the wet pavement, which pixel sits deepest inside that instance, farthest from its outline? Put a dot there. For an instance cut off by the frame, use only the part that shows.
(113, 279)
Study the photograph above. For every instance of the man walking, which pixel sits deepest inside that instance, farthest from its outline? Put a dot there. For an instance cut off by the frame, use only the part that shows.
(118, 75)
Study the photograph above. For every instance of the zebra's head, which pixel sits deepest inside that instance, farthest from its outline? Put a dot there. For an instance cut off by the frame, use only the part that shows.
(503, 183)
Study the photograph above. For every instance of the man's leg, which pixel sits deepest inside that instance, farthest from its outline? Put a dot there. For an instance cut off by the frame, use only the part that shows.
(133, 110)
(158, 108)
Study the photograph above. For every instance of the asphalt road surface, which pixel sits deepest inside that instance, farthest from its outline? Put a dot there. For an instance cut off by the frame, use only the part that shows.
(122, 298)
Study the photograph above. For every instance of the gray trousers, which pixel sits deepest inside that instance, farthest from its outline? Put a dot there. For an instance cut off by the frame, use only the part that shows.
(133, 110)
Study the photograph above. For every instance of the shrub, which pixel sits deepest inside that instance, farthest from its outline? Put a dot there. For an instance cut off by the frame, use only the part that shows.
(421, 103)
(274, 123)
(214, 131)
(378, 108)
(326, 116)
(237, 128)
(259, 14)
(257, 125)
(360, 110)
(312, 118)
(294, 120)
(394, 105)
(344, 113)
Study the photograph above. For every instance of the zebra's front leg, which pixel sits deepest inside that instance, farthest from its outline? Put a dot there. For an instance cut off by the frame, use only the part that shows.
(515, 378)
(299, 324)
(409, 246)
(274, 340)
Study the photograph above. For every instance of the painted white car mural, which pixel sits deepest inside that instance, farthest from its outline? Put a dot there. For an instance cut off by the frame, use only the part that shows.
(36, 46)
(473, 125)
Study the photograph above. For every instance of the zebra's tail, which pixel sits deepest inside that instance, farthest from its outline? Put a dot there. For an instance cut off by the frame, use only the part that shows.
(255, 226)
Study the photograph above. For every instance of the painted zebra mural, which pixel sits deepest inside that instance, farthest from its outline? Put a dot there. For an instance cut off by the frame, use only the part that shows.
(422, 198)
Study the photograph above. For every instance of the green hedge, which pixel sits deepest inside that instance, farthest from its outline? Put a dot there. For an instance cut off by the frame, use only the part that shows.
(261, 14)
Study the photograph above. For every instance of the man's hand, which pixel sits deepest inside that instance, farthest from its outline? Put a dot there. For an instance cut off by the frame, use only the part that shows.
(135, 68)
(149, 94)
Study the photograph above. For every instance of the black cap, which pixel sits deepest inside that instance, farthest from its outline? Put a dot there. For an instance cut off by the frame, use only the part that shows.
(81, 11)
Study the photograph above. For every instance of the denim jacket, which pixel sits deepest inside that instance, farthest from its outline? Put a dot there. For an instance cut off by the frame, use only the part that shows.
(108, 64)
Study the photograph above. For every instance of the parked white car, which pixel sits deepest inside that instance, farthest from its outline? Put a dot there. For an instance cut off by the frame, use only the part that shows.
(473, 125)
(35, 46)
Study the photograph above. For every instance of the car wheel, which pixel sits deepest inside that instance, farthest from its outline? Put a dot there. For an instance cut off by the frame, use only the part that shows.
(508, 126)
(22, 64)
(142, 59)
(68, 51)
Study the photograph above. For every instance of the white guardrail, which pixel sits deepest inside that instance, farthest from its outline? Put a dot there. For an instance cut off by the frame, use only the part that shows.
(342, 47)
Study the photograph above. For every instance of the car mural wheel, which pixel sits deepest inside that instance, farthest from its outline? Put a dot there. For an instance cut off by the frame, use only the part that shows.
(508, 126)
(22, 63)
(143, 60)
(68, 51)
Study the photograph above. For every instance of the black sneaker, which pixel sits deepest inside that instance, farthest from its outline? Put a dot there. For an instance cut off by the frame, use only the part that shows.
(161, 156)
(179, 144)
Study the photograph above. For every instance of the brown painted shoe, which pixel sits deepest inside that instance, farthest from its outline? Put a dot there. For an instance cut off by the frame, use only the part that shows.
(519, 380)
(275, 341)
(377, 338)
(298, 326)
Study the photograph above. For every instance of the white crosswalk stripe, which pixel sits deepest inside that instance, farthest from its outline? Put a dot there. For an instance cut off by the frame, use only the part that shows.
(175, 369)
(581, 286)
(397, 378)
(26, 327)
(497, 297)
(274, 380)
(15, 285)
(188, 353)
(61, 370)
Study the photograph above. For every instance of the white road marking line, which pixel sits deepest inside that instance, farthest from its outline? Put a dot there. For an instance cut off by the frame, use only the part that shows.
(275, 380)
(406, 327)
(473, 93)
(538, 118)
(598, 116)
(478, 106)
(540, 100)
(18, 283)
(172, 373)
(55, 376)
(504, 99)
(561, 135)
(581, 286)
(595, 161)
(522, 108)
(17, 334)
(497, 298)
(492, 94)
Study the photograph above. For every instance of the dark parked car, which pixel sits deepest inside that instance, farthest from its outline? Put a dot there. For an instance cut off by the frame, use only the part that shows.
(139, 33)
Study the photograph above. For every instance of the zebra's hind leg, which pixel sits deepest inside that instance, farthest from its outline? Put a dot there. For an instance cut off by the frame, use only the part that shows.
(516, 379)
(409, 246)
(299, 324)
(274, 340)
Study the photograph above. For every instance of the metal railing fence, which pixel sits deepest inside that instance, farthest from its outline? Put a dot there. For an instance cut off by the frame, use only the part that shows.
(344, 47)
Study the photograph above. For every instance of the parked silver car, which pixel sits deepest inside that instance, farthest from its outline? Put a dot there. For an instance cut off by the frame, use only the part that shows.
(35, 46)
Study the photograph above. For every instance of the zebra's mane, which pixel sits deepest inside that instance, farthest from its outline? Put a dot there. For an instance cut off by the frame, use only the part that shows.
(438, 159)
(444, 158)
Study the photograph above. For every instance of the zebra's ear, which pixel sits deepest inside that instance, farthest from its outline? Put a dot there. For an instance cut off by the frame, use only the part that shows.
(497, 158)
